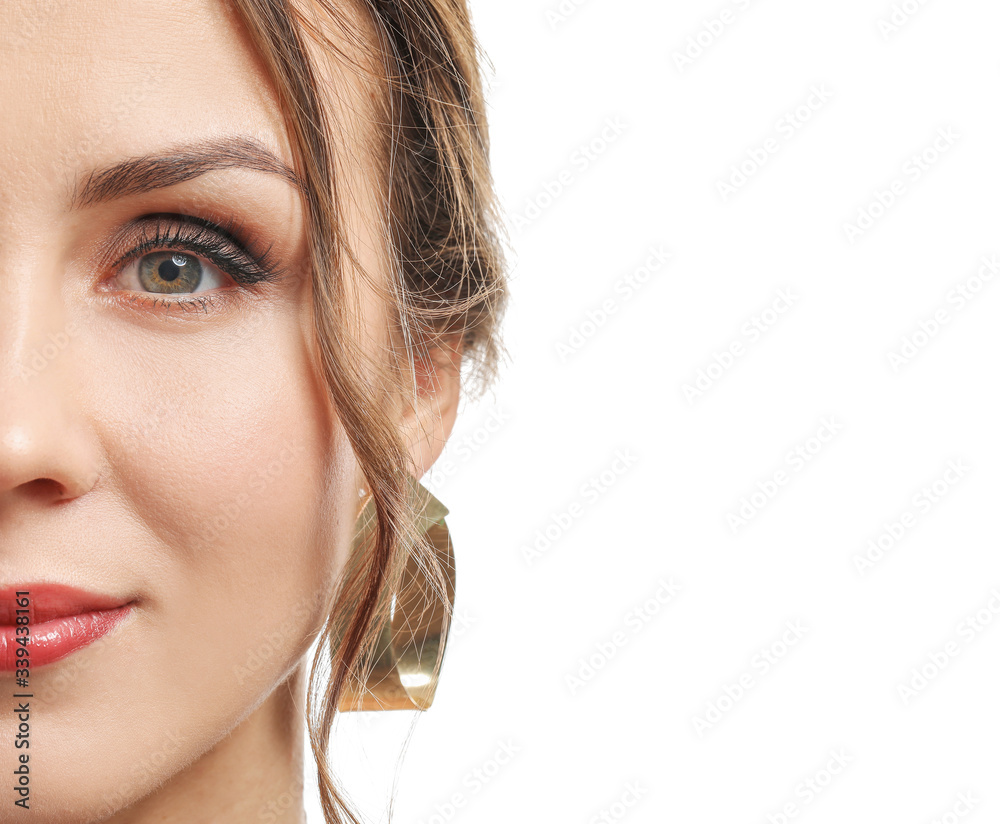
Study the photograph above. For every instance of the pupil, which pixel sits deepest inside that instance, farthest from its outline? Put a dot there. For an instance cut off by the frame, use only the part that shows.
(169, 270)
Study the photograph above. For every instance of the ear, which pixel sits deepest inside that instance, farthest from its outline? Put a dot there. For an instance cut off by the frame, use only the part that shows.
(429, 411)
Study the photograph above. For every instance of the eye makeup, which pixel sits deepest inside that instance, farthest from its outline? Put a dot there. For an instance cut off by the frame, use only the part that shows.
(164, 245)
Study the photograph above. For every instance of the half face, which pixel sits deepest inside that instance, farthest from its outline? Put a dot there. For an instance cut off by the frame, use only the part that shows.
(166, 441)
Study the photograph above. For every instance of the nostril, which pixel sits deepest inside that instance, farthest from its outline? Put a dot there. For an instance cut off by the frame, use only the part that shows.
(48, 451)
(47, 489)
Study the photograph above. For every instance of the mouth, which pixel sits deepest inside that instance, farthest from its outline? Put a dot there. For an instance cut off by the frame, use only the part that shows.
(59, 620)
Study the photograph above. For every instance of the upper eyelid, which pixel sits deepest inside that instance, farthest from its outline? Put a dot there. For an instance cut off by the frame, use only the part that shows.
(145, 234)
(174, 242)
(161, 230)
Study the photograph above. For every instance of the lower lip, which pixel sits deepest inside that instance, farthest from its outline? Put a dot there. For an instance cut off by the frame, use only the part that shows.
(58, 637)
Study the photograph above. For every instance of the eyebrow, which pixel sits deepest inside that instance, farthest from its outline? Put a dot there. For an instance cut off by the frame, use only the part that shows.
(149, 172)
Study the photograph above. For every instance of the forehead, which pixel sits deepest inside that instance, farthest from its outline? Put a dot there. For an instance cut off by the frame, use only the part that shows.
(88, 82)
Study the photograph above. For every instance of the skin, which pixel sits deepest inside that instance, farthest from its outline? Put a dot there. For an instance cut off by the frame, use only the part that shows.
(188, 459)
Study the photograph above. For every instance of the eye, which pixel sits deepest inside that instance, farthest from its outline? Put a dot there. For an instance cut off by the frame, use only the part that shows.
(165, 260)
(170, 273)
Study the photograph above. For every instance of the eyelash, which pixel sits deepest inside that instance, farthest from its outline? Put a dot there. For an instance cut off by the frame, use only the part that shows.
(215, 242)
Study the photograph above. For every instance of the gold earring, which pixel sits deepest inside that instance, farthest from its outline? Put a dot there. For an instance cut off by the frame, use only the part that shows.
(402, 668)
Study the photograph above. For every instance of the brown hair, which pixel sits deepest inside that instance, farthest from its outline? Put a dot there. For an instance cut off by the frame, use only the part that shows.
(446, 284)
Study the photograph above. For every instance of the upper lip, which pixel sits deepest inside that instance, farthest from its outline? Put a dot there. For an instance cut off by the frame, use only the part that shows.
(47, 601)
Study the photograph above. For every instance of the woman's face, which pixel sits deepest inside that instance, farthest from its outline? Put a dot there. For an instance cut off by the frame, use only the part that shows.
(165, 438)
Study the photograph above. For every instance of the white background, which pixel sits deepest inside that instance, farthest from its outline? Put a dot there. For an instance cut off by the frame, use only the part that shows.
(624, 742)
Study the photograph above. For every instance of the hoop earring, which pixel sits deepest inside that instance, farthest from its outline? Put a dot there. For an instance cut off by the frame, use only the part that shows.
(403, 666)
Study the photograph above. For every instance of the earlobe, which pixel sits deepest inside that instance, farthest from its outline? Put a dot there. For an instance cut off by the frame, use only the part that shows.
(432, 407)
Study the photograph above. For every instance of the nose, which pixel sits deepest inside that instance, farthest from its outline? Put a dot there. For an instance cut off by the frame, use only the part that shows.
(33, 466)
(47, 453)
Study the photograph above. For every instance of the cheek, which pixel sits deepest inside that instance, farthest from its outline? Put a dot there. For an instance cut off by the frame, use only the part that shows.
(222, 444)
(236, 491)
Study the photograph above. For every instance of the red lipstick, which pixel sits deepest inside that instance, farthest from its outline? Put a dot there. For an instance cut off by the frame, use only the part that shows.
(61, 620)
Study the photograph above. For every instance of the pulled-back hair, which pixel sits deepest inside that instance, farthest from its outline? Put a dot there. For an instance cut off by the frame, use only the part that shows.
(444, 285)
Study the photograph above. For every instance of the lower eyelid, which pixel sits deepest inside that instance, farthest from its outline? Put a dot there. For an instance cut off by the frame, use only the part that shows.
(186, 304)
(219, 291)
